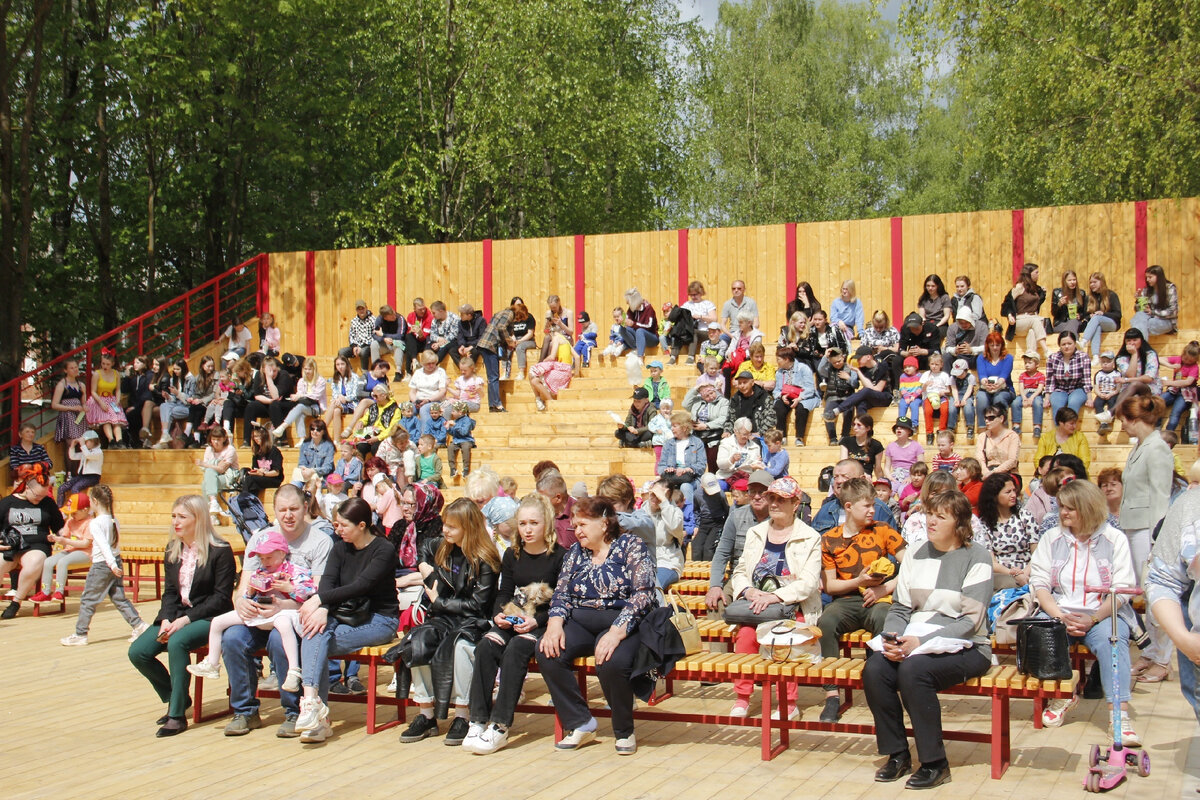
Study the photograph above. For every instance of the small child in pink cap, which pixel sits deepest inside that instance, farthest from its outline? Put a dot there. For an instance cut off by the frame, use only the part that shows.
(276, 578)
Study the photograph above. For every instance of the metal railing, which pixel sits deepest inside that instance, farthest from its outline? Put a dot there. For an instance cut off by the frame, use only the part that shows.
(174, 329)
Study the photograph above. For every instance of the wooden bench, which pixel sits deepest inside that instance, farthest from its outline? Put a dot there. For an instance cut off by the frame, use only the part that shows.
(1000, 686)
(372, 657)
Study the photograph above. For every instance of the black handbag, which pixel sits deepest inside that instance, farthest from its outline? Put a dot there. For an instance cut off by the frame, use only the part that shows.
(1043, 648)
(354, 612)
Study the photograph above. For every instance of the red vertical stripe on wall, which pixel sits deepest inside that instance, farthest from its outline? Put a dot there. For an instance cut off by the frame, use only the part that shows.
(391, 275)
(580, 285)
(1018, 241)
(263, 276)
(310, 302)
(1139, 246)
(897, 271)
(487, 278)
(683, 264)
(789, 259)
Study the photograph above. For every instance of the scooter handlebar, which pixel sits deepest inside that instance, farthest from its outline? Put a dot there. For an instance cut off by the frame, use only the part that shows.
(1131, 590)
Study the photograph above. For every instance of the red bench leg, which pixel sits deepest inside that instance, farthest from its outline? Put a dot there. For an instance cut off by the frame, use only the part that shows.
(768, 750)
(1001, 742)
(136, 578)
(1039, 705)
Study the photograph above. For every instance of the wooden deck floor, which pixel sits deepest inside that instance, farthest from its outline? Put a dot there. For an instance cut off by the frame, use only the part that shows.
(79, 721)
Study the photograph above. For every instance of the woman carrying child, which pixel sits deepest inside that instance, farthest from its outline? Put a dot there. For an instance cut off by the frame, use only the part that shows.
(528, 572)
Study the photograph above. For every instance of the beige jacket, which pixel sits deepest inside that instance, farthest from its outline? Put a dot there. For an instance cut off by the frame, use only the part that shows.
(803, 554)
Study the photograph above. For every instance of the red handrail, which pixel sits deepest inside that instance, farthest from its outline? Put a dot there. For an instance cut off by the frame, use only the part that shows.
(167, 328)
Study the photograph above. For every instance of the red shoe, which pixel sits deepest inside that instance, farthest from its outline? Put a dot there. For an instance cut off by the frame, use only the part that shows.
(58, 596)
(40, 597)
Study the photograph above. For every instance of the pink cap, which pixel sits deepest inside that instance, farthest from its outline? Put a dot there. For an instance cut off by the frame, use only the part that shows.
(267, 542)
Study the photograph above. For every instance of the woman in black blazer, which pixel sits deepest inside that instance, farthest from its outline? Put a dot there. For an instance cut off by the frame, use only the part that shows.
(200, 573)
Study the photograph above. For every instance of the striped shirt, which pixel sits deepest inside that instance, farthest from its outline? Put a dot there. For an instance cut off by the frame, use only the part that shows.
(948, 590)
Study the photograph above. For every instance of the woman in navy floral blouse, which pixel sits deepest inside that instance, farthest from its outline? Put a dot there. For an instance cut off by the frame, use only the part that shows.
(605, 589)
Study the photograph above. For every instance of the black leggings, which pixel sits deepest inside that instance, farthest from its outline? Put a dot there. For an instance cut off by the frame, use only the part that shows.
(582, 631)
(782, 411)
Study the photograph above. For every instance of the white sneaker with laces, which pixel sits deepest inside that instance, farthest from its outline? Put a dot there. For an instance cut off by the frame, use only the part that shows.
(626, 746)
(1056, 710)
(318, 734)
(205, 669)
(573, 740)
(74, 640)
(793, 714)
(474, 731)
(491, 740)
(312, 713)
(1128, 737)
(138, 630)
(740, 709)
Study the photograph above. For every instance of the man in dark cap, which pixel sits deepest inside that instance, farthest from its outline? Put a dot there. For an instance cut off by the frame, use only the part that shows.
(918, 338)
(636, 430)
(875, 386)
(751, 401)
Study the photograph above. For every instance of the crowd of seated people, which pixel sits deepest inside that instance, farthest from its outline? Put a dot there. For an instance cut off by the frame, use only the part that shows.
(370, 461)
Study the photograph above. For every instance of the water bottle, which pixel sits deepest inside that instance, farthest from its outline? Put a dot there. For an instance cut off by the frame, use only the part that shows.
(1191, 426)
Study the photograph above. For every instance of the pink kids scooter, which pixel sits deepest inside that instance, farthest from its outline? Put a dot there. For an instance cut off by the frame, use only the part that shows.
(1106, 768)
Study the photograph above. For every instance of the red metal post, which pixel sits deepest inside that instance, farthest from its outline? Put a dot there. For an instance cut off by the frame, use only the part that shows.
(141, 336)
(187, 327)
(216, 295)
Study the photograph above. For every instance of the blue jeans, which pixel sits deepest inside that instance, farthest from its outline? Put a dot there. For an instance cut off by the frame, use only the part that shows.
(1073, 399)
(338, 639)
(911, 409)
(639, 339)
(337, 673)
(1017, 410)
(968, 412)
(1001, 398)
(864, 400)
(239, 644)
(1187, 671)
(666, 577)
(1097, 324)
(491, 365)
(1151, 326)
(1178, 406)
(1097, 641)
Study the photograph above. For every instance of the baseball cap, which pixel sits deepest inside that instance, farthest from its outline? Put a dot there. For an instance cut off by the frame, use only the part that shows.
(230, 356)
(583, 318)
(268, 541)
(960, 368)
(761, 477)
(714, 326)
(710, 483)
(90, 435)
(865, 350)
(655, 363)
(76, 502)
(740, 485)
(911, 361)
(1109, 354)
(784, 487)
(1031, 354)
(745, 374)
(640, 394)
(333, 480)
(914, 320)
(360, 304)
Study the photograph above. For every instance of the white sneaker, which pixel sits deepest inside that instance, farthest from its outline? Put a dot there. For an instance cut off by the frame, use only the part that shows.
(291, 683)
(519, 375)
(277, 432)
(163, 443)
(74, 640)
(537, 401)
(793, 714)
(626, 746)
(1128, 737)
(205, 669)
(573, 740)
(312, 713)
(1104, 417)
(213, 506)
(214, 520)
(740, 709)
(138, 630)
(1056, 710)
(474, 731)
(392, 686)
(318, 734)
(491, 740)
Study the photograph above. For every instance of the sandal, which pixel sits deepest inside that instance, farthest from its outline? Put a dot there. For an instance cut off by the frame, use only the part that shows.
(1141, 666)
(1156, 674)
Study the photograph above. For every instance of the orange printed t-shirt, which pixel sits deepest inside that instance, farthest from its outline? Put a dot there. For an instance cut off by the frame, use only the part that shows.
(849, 558)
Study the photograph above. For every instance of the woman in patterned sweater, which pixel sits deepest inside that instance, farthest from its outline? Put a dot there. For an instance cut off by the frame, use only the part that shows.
(942, 591)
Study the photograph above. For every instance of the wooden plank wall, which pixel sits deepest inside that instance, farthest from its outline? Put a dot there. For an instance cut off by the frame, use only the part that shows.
(980, 244)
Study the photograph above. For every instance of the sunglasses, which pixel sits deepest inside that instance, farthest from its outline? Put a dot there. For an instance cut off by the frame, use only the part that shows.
(990, 417)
